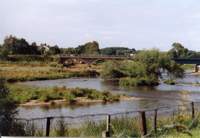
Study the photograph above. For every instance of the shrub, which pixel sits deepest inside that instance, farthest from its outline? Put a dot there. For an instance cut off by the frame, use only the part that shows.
(70, 98)
(143, 81)
(170, 82)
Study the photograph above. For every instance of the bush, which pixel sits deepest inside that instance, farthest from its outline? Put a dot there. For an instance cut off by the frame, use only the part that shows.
(143, 81)
(144, 70)
(170, 82)
(23, 94)
(70, 98)
(8, 126)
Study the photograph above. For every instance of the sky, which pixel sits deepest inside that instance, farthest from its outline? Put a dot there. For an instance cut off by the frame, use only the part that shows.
(139, 24)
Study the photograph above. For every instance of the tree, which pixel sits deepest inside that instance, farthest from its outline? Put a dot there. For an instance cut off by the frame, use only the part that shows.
(69, 50)
(90, 48)
(173, 69)
(117, 51)
(151, 60)
(13, 45)
(8, 126)
(178, 51)
(54, 50)
(145, 70)
(111, 69)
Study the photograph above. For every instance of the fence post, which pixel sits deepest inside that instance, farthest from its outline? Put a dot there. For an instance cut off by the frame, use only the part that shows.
(107, 133)
(193, 112)
(143, 123)
(155, 120)
(48, 123)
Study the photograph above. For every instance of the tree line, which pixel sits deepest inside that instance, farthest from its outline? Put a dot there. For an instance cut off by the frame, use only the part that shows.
(179, 51)
(19, 46)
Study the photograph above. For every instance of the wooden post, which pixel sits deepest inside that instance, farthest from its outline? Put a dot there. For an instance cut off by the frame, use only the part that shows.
(107, 133)
(108, 126)
(155, 120)
(196, 68)
(143, 123)
(193, 112)
(48, 123)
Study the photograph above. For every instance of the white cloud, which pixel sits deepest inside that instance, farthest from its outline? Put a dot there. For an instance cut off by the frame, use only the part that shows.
(134, 23)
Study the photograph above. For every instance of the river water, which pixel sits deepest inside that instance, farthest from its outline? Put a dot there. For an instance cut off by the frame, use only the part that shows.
(161, 95)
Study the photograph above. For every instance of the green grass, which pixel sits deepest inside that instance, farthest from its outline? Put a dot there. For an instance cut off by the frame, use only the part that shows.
(142, 81)
(124, 126)
(195, 134)
(188, 66)
(170, 82)
(24, 93)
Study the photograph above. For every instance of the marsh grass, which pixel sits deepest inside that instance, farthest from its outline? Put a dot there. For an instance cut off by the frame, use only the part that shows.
(23, 93)
(142, 81)
(30, 71)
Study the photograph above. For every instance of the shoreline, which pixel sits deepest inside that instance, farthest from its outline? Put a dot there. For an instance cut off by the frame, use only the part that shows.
(79, 101)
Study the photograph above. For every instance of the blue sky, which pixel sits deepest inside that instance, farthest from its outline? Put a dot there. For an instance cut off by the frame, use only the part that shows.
(139, 24)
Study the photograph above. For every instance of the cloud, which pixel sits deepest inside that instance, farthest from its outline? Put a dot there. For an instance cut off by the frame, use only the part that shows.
(133, 23)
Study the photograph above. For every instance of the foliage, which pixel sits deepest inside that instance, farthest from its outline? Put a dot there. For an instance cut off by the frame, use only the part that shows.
(91, 48)
(23, 94)
(170, 82)
(145, 70)
(68, 51)
(53, 50)
(19, 46)
(179, 51)
(130, 126)
(139, 81)
(111, 69)
(14, 45)
(117, 51)
(8, 126)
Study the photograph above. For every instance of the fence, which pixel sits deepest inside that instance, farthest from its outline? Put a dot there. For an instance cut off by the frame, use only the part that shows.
(138, 122)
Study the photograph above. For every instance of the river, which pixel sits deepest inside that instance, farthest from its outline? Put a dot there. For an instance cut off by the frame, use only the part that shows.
(160, 95)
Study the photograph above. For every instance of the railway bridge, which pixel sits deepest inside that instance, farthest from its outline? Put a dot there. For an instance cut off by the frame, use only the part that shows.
(195, 61)
(89, 59)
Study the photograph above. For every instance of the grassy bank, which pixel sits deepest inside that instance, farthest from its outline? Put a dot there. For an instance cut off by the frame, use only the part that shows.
(25, 71)
(188, 66)
(26, 94)
(126, 126)
(129, 82)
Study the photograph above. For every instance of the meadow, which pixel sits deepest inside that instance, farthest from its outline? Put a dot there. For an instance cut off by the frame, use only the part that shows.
(29, 71)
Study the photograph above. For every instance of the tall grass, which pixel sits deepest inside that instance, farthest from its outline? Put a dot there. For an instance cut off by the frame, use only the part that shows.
(29, 71)
(24, 93)
(126, 126)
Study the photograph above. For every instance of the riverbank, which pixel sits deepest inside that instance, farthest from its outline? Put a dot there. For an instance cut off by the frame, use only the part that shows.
(123, 126)
(30, 71)
(35, 96)
(80, 101)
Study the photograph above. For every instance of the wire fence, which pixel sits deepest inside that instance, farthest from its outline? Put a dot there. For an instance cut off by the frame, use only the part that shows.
(133, 123)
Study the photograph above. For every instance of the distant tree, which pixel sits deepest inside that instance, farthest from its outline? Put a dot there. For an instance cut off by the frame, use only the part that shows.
(54, 50)
(13, 45)
(117, 51)
(178, 51)
(90, 48)
(69, 50)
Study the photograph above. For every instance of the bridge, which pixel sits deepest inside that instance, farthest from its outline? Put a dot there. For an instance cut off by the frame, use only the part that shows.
(89, 59)
(195, 61)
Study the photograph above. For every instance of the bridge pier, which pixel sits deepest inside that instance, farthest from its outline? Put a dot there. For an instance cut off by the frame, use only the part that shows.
(196, 68)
